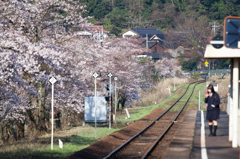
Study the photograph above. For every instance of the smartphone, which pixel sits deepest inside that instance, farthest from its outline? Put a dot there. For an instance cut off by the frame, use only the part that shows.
(206, 92)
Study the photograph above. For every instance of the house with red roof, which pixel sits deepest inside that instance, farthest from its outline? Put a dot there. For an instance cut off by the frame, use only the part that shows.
(97, 32)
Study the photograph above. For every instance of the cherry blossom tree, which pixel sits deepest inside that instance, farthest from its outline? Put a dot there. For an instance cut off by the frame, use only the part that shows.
(166, 67)
(31, 33)
(36, 43)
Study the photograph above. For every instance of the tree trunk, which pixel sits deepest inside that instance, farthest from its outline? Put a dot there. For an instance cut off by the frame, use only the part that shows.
(123, 101)
(41, 103)
(1, 133)
(20, 130)
(118, 105)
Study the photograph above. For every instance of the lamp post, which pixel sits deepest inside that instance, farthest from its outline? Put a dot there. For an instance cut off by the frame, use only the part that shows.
(174, 81)
(52, 81)
(206, 65)
(95, 75)
(115, 79)
(209, 70)
(110, 76)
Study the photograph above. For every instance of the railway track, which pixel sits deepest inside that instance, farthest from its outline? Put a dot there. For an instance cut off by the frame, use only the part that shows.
(144, 143)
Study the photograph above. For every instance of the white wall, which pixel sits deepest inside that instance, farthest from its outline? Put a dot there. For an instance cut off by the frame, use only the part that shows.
(128, 33)
(141, 56)
(156, 38)
(238, 127)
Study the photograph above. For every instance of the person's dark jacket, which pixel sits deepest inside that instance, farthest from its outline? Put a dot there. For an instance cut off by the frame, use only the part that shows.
(215, 100)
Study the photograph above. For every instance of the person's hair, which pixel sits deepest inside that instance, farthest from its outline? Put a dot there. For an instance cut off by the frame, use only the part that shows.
(210, 86)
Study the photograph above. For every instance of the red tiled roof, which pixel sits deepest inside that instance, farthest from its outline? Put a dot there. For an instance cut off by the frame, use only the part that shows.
(96, 29)
(187, 55)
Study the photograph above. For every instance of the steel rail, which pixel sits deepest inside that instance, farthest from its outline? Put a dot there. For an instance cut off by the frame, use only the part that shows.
(151, 149)
(114, 152)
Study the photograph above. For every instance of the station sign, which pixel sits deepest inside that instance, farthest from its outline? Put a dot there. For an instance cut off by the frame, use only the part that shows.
(110, 91)
(206, 64)
(215, 86)
(232, 32)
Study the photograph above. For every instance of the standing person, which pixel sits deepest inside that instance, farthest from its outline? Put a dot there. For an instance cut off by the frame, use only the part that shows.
(213, 100)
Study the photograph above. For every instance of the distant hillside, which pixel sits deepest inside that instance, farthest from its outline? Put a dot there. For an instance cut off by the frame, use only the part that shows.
(117, 15)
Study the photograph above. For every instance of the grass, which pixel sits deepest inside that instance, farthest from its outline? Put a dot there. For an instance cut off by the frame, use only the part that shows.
(183, 99)
(160, 92)
(178, 86)
(188, 93)
(73, 140)
(140, 112)
(195, 98)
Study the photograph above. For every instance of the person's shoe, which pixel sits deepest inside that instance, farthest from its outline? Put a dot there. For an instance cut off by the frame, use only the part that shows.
(210, 134)
(214, 134)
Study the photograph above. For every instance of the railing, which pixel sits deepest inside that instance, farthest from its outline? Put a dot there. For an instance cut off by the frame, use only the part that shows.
(199, 71)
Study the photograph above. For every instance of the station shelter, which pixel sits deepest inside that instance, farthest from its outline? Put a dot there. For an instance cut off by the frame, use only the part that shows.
(234, 110)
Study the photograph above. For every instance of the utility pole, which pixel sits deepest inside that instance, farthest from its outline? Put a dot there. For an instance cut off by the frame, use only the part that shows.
(206, 64)
(99, 36)
(199, 106)
(95, 75)
(174, 81)
(115, 79)
(102, 33)
(110, 113)
(147, 42)
(209, 70)
(214, 28)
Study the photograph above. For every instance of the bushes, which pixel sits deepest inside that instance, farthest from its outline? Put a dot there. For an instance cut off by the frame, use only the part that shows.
(195, 75)
(159, 93)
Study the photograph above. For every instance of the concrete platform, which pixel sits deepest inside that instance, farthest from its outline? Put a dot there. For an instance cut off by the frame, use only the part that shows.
(218, 147)
(187, 144)
(181, 144)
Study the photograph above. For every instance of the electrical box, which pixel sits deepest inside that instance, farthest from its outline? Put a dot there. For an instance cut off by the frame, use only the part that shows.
(215, 86)
(89, 113)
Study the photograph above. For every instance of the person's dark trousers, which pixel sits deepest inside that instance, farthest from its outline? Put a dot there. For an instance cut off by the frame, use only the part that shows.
(215, 130)
(210, 128)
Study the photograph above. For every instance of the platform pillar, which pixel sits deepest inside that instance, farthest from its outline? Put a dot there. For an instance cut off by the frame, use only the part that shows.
(235, 102)
(230, 119)
(238, 128)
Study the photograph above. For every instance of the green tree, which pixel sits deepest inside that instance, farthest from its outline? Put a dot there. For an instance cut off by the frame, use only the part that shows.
(115, 31)
(118, 17)
(161, 14)
(97, 8)
(108, 25)
(222, 63)
(188, 64)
